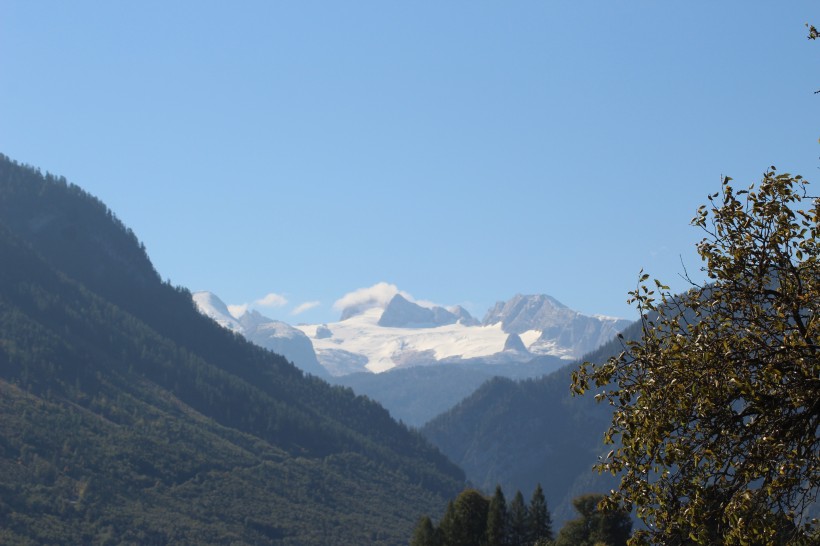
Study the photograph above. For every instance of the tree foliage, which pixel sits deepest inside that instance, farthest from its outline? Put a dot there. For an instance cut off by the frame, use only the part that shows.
(474, 520)
(425, 533)
(717, 406)
(540, 520)
(465, 521)
(594, 527)
(519, 518)
(496, 519)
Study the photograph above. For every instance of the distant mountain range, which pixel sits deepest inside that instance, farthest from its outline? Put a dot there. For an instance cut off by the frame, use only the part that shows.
(376, 337)
(429, 357)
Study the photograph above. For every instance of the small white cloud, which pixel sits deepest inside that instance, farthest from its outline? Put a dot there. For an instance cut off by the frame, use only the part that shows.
(378, 295)
(302, 307)
(272, 300)
(238, 310)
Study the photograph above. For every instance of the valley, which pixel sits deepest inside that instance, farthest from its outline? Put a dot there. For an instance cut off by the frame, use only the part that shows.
(100, 357)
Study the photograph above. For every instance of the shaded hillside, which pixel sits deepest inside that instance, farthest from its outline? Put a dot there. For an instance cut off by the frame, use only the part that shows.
(128, 416)
(419, 393)
(518, 434)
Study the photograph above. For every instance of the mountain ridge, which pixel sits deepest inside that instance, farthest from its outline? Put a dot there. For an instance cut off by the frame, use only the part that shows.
(384, 328)
(130, 415)
(274, 335)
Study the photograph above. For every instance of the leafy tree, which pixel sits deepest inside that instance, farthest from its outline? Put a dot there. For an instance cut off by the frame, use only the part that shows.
(540, 520)
(496, 533)
(595, 527)
(717, 406)
(424, 533)
(519, 521)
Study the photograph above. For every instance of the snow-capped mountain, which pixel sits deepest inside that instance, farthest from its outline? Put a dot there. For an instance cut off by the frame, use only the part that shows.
(559, 326)
(386, 347)
(211, 306)
(402, 313)
(275, 335)
(385, 329)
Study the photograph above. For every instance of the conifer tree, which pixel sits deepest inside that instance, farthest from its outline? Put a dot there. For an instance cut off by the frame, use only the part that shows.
(446, 527)
(496, 533)
(424, 533)
(518, 521)
(540, 520)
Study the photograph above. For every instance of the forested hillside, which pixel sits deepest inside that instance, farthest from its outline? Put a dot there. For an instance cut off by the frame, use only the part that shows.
(520, 433)
(130, 417)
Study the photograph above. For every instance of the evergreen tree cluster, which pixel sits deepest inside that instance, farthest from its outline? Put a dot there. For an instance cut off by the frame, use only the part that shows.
(473, 519)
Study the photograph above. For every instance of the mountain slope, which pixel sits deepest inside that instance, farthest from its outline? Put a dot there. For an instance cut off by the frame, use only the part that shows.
(130, 417)
(518, 434)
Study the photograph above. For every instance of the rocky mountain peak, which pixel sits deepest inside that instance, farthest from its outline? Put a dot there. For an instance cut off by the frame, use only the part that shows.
(515, 344)
(527, 312)
(402, 313)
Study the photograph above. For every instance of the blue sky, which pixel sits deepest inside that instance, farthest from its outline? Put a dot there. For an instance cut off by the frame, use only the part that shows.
(463, 151)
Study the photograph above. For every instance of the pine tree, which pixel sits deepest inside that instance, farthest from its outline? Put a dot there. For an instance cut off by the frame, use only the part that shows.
(496, 533)
(518, 525)
(540, 520)
(447, 525)
(424, 534)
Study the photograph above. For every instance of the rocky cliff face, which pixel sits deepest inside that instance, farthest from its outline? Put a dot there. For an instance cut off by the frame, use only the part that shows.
(402, 313)
(559, 325)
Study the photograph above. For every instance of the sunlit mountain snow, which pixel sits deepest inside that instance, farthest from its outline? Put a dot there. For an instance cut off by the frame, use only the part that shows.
(387, 347)
(211, 306)
(381, 328)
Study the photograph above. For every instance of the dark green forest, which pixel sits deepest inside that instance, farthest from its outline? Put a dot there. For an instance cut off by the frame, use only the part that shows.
(472, 519)
(130, 418)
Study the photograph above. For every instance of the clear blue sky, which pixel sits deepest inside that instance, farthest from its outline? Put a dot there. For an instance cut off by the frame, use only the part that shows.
(464, 151)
